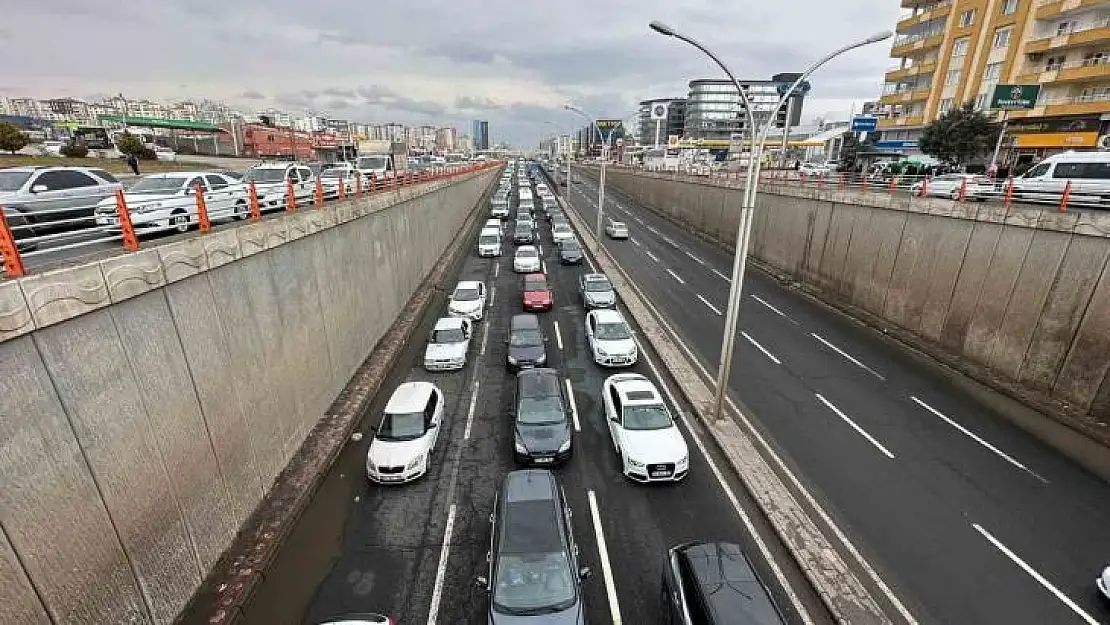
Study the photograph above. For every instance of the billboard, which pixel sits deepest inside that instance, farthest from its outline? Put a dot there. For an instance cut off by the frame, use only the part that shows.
(611, 125)
(1015, 97)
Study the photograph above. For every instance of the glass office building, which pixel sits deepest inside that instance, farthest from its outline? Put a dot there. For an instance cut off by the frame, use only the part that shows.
(714, 109)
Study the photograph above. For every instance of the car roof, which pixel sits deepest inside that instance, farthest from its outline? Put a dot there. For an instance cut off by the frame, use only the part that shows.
(410, 397)
(530, 514)
(605, 315)
(468, 284)
(524, 321)
(538, 382)
(529, 485)
(449, 323)
(527, 248)
(535, 277)
(591, 277)
(729, 582)
(635, 389)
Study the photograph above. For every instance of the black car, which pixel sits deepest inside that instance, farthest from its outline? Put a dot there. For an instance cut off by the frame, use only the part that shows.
(523, 234)
(360, 618)
(541, 424)
(527, 343)
(535, 575)
(570, 252)
(708, 583)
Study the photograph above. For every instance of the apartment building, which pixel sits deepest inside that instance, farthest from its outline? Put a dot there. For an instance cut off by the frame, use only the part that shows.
(954, 51)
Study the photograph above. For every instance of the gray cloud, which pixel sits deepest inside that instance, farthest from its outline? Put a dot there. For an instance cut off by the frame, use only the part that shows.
(250, 94)
(384, 97)
(338, 105)
(339, 92)
(468, 103)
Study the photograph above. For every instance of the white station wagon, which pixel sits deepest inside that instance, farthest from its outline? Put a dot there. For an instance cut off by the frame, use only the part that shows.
(645, 436)
(404, 439)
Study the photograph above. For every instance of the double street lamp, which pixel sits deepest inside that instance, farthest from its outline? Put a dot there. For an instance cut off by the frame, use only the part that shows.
(566, 153)
(743, 230)
(601, 178)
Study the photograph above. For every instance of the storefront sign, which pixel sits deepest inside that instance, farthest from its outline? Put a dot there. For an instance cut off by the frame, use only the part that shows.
(1015, 97)
(1056, 140)
(1054, 125)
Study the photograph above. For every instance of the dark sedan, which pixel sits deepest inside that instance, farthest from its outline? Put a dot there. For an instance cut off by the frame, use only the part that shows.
(570, 252)
(542, 434)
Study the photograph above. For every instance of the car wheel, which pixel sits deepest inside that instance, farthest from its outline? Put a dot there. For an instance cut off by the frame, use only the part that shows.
(180, 222)
(241, 211)
(954, 194)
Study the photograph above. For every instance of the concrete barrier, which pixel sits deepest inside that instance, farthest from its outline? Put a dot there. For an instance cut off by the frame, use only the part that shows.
(148, 401)
(1019, 299)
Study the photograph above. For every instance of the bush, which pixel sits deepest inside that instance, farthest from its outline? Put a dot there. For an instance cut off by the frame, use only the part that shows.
(147, 154)
(74, 150)
(12, 138)
(128, 143)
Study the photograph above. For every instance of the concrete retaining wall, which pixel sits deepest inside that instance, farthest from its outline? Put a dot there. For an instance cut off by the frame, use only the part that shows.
(148, 401)
(1022, 298)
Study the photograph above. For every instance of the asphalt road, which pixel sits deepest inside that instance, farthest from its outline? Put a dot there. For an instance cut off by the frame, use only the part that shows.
(364, 547)
(967, 517)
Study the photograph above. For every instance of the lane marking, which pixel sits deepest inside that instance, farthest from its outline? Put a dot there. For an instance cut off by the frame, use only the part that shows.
(653, 230)
(977, 439)
(634, 242)
(711, 306)
(669, 240)
(441, 571)
(651, 256)
(773, 309)
(573, 406)
(492, 295)
(496, 269)
(722, 276)
(675, 276)
(543, 265)
(558, 336)
(761, 348)
(862, 432)
(695, 258)
(606, 568)
(470, 412)
(1035, 575)
(848, 356)
(485, 339)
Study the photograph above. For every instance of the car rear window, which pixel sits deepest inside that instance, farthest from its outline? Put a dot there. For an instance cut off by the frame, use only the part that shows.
(100, 173)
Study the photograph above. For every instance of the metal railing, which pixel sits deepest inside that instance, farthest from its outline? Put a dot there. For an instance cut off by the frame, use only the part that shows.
(110, 217)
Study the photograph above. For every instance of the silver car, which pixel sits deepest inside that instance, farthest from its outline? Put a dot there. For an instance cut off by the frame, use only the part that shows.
(597, 291)
(616, 230)
(38, 200)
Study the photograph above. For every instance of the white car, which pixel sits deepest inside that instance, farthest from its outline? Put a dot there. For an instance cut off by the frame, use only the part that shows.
(271, 179)
(949, 185)
(164, 154)
(500, 209)
(169, 201)
(561, 232)
(814, 169)
(610, 338)
(616, 230)
(492, 223)
(1103, 583)
(404, 439)
(330, 181)
(468, 300)
(489, 242)
(526, 259)
(647, 441)
(448, 344)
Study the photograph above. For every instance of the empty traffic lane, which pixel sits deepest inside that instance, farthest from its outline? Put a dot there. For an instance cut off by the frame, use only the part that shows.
(971, 519)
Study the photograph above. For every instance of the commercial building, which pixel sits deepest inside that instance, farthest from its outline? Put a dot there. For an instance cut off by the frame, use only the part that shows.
(480, 134)
(956, 51)
(674, 124)
(715, 112)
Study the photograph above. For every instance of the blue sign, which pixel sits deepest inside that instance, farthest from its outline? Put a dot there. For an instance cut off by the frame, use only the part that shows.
(895, 144)
(864, 123)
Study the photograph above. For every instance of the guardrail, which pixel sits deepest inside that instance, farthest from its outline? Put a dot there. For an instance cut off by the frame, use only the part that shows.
(93, 219)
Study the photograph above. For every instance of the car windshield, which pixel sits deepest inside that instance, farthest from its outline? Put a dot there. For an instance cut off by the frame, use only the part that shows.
(650, 417)
(523, 228)
(13, 180)
(598, 286)
(570, 246)
(449, 335)
(488, 239)
(335, 172)
(540, 411)
(533, 583)
(465, 295)
(157, 184)
(534, 286)
(525, 338)
(618, 226)
(401, 426)
(264, 175)
(524, 253)
(614, 331)
(372, 162)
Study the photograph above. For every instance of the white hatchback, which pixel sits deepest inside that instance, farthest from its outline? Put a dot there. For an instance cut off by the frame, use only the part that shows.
(645, 436)
(526, 259)
(448, 344)
(610, 338)
(404, 439)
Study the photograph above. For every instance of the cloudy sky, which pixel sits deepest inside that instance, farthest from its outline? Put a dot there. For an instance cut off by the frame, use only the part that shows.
(435, 61)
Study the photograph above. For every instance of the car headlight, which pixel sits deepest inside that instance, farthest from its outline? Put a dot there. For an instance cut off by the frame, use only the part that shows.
(635, 464)
(542, 359)
(520, 448)
(512, 361)
(684, 460)
(565, 446)
(601, 351)
(417, 461)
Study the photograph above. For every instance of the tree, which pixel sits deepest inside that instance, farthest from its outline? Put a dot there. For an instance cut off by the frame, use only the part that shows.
(128, 143)
(960, 135)
(74, 150)
(12, 138)
(850, 148)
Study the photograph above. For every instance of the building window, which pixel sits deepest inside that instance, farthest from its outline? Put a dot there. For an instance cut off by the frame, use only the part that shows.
(1009, 7)
(959, 47)
(1002, 37)
(945, 105)
(967, 18)
(1095, 58)
(952, 78)
(980, 101)
(1064, 28)
(1054, 63)
(993, 72)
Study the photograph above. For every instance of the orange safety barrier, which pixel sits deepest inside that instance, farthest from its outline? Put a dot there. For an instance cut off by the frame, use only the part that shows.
(924, 187)
(358, 185)
(256, 210)
(1008, 198)
(893, 184)
(290, 197)
(865, 182)
(9, 250)
(202, 209)
(1065, 197)
(963, 190)
(130, 241)
(820, 181)
(840, 183)
(319, 193)
(373, 183)
(342, 189)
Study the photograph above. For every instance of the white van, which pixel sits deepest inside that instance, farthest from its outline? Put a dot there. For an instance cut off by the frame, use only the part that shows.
(1088, 173)
(489, 242)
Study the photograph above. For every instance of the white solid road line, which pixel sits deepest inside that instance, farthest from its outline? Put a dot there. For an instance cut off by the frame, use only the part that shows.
(492, 294)
(543, 265)
(761, 348)
(606, 568)
(772, 308)
(1035, 575)
(470, 412)
(716, 310)
(496, 269)
(977, 439)
(651, 256)
(721, 275)
(441, 571)
(848, 356)
(558, 336)
(573, 406)
(695, 258)
(675, 276)
(855, 426)
(634, 242)
(485, 339)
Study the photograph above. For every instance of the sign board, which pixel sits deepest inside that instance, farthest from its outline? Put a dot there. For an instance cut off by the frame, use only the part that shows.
(610, 125)
(658, 111)
(1015, 97)
(1059, 124)
(894, 144)
(672, 141)
(864, 123)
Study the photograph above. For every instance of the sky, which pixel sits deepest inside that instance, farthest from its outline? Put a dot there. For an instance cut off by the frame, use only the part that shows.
(437, 62)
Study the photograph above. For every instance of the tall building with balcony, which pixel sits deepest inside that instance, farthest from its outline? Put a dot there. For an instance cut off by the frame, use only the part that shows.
(955, 51)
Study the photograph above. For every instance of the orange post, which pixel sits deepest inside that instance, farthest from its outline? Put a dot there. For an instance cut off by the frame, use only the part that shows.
(130, 241)
(840, 182)
(1008, 198)
(9, 250)
(925, 187)
(256, 210)
(803, 177)
(893, 184)
(820, 181)
(373, 182)
(290, 197)
(963, 190)
(358, 185)
(202, 209)
(319, 193)
(1065, 197)
(865, 182)
(342, 188)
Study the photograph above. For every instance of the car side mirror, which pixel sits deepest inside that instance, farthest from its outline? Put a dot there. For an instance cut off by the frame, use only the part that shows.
(585, 572)
(432, 426)
(482, 582)
(546, 340)
(39, 188)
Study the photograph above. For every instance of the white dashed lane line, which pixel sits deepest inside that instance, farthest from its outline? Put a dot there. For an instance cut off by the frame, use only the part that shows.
(573, 406)
(766, 353)
(558, 336)
(855, 426)
(676, 277)
(773, 309)
(847, 356)
(715, 310)
(721, 275)
(652, 256)
(695, 258)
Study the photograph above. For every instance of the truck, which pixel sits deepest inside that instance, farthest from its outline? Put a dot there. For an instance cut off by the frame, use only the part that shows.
(381, 157)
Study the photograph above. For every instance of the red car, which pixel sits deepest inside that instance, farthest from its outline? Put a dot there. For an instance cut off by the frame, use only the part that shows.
(537, 295)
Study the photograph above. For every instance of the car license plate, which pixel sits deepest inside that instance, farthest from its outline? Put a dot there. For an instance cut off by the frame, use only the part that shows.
(543, 460)
(660, 473)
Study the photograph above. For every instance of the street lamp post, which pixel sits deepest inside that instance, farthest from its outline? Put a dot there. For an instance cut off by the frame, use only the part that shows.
(743, 231)
(566, 153)
(601, 179)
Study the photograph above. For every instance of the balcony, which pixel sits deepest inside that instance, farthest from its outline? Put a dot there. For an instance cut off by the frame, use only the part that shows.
(1088, 70)
(900, 73)
(1050, 9)
(910, 4)
(909, 45)
(1085, 34)
(1096, 104)
(942, 9)
(905, 97)
(902, 121)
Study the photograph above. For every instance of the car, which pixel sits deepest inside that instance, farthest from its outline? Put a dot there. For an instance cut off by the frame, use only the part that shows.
(359, 618)
(527, 259)
(334, 177)
(38, 200)
(536, 293)
(523, 234)
(814, 169)
(616, 230)
(948, 185)
(570, 252)
(468, 300)
(610, 338)
(596, 291)
(561, 232)
(448, 344)
(168, 201)
(527, 343)
(715, 584)
(1103, 583)
(500, 208)
(541, 423)
(534, 573)
(403, 440)
(271, 179)
(492, 223)
(489, 242)
(648, 443)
